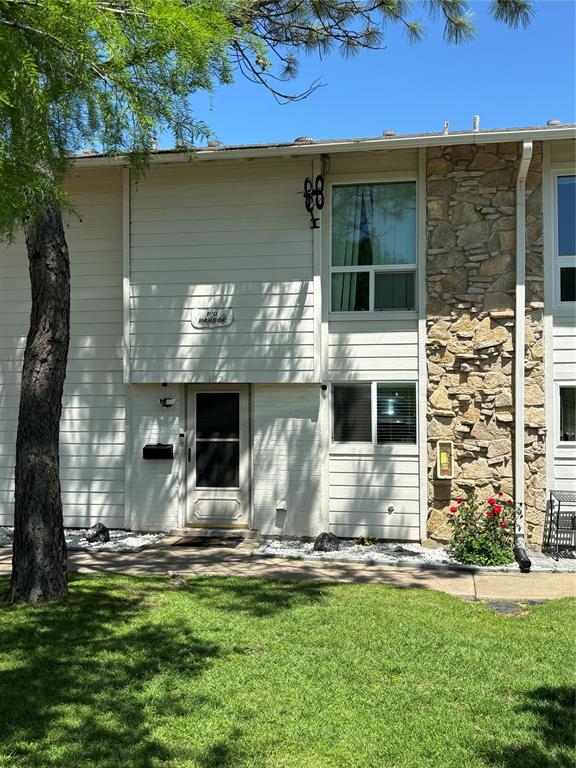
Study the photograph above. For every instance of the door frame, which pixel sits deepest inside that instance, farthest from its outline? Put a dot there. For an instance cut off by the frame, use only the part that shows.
(244, 390)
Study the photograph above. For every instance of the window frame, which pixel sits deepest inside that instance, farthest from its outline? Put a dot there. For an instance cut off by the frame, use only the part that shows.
(564, 307)
(558, 385)
(374, 446)
(373, 269)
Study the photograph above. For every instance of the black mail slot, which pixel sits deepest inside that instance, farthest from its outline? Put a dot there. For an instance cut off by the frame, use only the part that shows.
(158, 451)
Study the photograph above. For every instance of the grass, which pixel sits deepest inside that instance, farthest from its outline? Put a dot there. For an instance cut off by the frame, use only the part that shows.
(134, 672)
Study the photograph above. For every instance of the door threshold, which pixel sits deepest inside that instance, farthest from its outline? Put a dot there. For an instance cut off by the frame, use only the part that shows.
(214, 532)
(210, 542)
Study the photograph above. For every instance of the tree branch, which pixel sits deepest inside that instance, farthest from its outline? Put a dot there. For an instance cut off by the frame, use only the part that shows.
(60, 44)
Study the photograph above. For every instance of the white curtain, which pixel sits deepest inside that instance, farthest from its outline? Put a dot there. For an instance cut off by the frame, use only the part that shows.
(346, 245)
(393, 223)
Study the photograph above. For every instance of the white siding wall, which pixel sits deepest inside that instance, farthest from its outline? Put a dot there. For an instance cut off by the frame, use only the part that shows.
(563, 153)
(14, 318)
(92, 426)
(155, 484)
(565, 349)
(226, 234)
(375, 494)
(365, 483)
(369, 350)
(287, 459)
(213, 235)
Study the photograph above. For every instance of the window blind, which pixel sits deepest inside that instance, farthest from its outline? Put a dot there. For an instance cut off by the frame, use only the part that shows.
(396, 413)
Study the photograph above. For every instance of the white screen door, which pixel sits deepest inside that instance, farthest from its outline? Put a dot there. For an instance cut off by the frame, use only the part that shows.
(218, 457)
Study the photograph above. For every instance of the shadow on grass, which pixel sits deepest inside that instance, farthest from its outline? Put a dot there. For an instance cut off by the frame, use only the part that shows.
(222, 754)
(76, 690)
(89, 680)
(256, 597)
(554, 742)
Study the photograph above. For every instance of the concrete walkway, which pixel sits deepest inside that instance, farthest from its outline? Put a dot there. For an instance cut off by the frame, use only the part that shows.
(163, 558)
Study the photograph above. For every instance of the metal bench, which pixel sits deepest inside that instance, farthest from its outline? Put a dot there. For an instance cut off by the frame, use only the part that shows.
(561, 523)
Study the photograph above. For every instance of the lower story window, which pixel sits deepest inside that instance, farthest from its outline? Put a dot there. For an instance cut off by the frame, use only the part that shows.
(568, 414)
(351, 406)
(395, 413)
(378, 413)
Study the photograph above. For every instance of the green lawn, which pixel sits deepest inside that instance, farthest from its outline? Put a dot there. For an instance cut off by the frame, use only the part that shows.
(218, 673)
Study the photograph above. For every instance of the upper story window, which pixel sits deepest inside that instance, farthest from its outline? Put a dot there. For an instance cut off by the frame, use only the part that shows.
(373, 265)
(565, 266)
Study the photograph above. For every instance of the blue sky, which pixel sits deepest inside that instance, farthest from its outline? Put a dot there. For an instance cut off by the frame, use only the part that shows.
(510, 78)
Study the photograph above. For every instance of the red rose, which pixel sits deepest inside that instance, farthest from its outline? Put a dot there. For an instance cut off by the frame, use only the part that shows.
(491, 501)
(496, 509)
(460, 501)
(490, 513)
(500, 493)
(453, 509)
(503, 523)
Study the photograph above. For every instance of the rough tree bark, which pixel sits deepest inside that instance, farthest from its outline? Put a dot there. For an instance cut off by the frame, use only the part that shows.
(39, 555)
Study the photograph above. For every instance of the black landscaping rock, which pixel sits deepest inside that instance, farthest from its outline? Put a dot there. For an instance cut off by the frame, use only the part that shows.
(405, 551)
(98, 532)
(326, 542)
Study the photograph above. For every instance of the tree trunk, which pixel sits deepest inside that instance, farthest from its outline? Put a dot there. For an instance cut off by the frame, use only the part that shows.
(39, 555)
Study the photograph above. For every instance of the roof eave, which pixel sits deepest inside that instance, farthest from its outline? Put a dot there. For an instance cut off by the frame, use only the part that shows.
(354, 145)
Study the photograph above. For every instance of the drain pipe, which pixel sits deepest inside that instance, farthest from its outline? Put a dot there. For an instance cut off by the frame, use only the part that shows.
(519, 480)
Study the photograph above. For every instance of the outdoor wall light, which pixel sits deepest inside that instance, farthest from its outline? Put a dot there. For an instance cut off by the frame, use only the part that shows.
(166, 402)
(445, 459)
(314, 198)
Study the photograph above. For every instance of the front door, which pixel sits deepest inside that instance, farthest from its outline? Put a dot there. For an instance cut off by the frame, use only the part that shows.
(218, 457)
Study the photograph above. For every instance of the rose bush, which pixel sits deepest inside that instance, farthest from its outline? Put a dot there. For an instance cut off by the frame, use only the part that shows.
(483, 532)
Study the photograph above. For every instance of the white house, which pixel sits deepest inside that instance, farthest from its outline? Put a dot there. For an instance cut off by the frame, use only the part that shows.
(301, 379)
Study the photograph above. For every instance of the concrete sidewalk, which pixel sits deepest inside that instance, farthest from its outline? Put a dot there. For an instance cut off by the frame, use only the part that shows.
(163, 558)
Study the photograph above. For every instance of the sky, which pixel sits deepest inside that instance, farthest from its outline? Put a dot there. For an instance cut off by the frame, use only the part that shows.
(510, 78)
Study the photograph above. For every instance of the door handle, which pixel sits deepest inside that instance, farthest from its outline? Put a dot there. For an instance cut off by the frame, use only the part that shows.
(189, 454)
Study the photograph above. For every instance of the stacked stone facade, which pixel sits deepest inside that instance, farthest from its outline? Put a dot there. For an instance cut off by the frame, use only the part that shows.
(471, 241)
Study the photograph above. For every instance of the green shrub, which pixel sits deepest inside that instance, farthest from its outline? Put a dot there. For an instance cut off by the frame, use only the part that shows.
(483, 532)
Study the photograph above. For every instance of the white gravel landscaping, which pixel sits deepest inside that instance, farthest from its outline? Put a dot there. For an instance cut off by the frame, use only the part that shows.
(120, 541)
(351, 551)
(396, 554)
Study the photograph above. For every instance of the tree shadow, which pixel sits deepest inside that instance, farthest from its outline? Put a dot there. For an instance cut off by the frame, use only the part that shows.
(554, 738)
(92, 679)
(257, 597)
(80, 681)
(222, 754)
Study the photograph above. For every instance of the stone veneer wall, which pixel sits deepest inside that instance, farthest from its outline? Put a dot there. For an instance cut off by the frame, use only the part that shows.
(471, 199)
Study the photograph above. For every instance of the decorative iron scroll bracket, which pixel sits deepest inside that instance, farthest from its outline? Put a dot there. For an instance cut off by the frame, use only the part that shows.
(314, 198)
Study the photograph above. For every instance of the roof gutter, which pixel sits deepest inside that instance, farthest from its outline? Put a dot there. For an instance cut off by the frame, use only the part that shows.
(519, 349)
(349, 145)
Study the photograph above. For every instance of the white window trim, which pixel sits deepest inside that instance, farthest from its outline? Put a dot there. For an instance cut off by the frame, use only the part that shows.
(366, 448)
(371, 313)
(561, 444)
(560, 307)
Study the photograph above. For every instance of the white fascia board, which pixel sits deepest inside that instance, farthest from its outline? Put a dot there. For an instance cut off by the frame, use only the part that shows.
(354, 145)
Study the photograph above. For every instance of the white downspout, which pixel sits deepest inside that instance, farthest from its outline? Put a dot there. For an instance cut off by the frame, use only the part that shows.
(519, 345)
